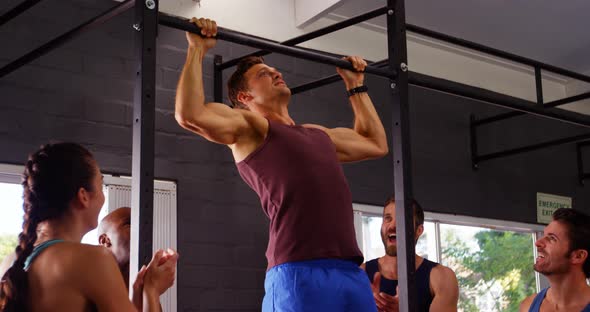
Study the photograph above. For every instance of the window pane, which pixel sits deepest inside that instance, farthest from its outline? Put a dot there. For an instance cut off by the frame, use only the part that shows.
(373, 245)
(494, 268)
(11, 210)
(426, 246)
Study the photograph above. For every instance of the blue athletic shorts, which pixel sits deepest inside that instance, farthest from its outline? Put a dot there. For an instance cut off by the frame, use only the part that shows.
(325, 285)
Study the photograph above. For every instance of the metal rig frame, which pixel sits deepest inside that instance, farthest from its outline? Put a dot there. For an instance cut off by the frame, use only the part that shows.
(394, 68)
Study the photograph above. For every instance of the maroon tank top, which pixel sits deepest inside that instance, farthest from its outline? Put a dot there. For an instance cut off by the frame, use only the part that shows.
(304, 193)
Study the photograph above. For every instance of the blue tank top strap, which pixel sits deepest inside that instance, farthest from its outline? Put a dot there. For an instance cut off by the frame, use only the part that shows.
(427, 265)
(372, 267)
(536, 305)
(38, 249)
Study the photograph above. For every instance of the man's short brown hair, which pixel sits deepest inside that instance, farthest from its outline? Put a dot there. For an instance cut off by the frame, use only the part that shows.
(237, 83)
(418, 211)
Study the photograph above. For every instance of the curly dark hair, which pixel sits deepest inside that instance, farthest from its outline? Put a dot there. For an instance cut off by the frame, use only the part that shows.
(418, 211)
(52, 177)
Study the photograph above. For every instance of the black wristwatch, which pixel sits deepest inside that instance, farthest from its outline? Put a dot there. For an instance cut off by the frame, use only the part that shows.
(356, 90)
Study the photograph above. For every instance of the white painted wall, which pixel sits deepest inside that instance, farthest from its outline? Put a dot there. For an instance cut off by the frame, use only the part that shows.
(271, 19)
(307, 11)
(576, 87)
(275, 19)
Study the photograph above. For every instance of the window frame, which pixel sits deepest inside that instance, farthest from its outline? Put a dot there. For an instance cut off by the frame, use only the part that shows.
(11, 173)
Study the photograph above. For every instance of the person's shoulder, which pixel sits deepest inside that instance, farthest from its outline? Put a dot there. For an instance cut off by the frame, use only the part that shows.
(443, 270)
(525, 305)
(369, 263)
(373, 260)
(441, 275)
(75, 257)
(79, 249)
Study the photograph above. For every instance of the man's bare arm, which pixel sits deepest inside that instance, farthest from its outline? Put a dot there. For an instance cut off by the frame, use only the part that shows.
(446, 289)
(367, 138)
(214, 121)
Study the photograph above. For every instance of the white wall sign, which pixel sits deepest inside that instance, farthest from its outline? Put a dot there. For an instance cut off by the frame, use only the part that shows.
(548, 203)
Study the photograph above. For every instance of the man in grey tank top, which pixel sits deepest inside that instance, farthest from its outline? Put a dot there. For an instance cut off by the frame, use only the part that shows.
(313, 258)
(562, 257)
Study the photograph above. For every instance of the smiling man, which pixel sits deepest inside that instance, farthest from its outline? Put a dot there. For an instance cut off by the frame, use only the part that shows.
(437, 287)
(563, 259)
(114, 234)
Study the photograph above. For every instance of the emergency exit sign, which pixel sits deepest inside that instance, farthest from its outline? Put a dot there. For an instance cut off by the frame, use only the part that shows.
(548, 203)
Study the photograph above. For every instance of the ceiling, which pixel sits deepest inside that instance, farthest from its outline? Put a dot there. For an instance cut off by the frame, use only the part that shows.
(553, 32)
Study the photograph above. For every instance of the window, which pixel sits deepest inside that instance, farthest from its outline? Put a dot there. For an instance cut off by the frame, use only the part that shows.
(493, 259)
(11, 208)
(372, 245)
(118, 194)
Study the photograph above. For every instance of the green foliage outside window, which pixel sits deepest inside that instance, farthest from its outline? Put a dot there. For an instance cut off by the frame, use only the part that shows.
(502, 268)
(7, 244)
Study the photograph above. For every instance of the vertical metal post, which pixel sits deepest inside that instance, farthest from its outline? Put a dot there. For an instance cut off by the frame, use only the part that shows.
(580, 163)
(539, 85)
(217, 79)
(473, 139)
(397, 53)
(144, 111)
(438, 242)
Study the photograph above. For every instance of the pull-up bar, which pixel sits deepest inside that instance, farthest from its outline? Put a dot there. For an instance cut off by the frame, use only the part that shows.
(329, 79)
(314, 34)
(264, 44)
(501, 100)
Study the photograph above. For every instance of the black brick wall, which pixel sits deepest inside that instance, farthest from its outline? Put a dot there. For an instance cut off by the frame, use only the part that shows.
(83, 92)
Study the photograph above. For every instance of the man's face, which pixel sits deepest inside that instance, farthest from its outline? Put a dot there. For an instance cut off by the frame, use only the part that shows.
(96, 196)
(265, 84)
(553, 256)
(117, 232)
(388, 230)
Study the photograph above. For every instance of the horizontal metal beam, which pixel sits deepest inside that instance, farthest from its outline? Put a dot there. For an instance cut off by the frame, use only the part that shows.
(59, 41)
(496, 52)
(264, 44)
(327, 80)
(17, 10)
(314, 34)
(529, 148)
(315, 84)
(498, 99)
(567, 100)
